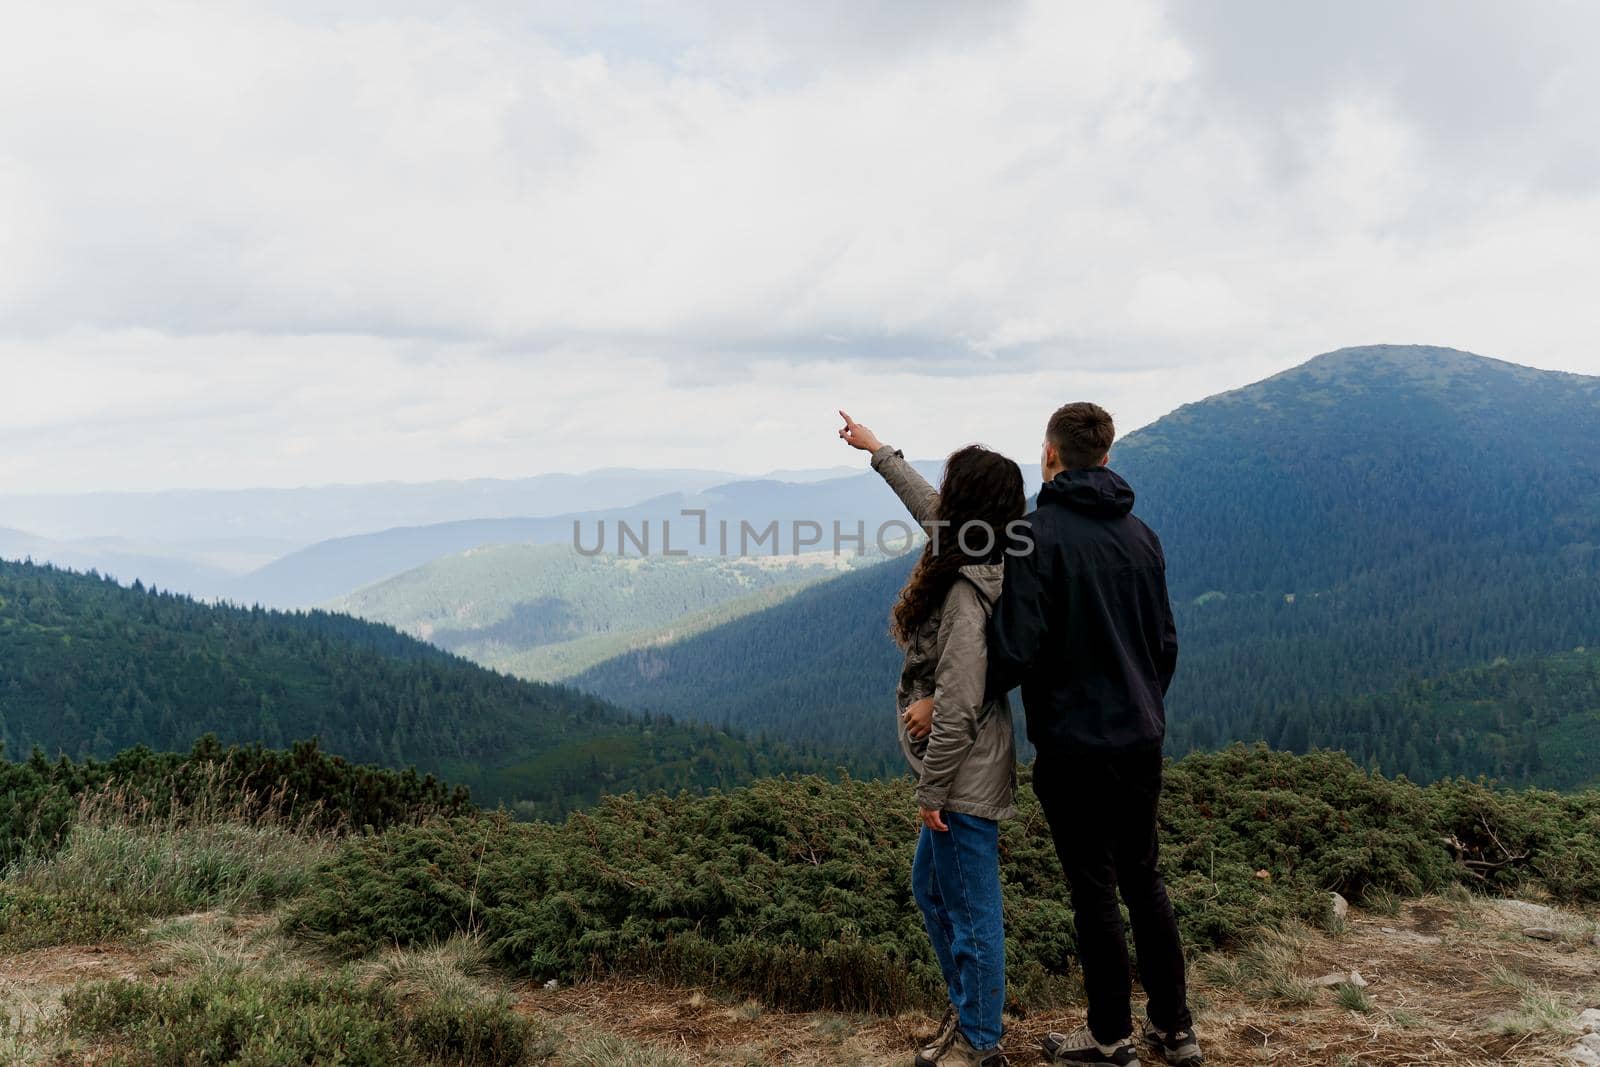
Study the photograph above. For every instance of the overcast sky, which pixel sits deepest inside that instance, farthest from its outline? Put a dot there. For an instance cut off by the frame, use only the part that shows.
(255, 244)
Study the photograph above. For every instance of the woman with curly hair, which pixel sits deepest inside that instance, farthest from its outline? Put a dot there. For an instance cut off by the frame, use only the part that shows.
(958, 741)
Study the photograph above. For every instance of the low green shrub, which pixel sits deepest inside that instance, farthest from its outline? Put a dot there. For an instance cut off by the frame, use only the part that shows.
(32, 918)
(1503, 841)
(286, 1020)
(797, 891)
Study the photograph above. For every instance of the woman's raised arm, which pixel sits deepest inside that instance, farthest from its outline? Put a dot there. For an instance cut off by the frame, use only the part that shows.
(920, 498)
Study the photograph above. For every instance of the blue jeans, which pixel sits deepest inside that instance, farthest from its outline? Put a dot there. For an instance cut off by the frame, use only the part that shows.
(956, 881)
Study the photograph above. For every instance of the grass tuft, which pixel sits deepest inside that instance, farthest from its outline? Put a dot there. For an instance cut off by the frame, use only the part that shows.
(1538, 1010)
(1353, 998)
(1265, 967)
(609, 1050)
(1381, 901)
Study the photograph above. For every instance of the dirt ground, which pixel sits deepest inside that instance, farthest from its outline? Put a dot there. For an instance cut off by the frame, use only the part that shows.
(1448, 982)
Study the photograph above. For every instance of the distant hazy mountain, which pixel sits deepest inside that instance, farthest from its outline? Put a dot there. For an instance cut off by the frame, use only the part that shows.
(302, 516)
(546, 612)
(210, 543)
(123, 560)
(88, 667)
(1376, 517)
(335, 568)
(314, 514)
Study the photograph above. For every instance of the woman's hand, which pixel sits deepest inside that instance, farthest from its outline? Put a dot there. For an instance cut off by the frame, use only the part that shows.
(918, 718)
(858, 436)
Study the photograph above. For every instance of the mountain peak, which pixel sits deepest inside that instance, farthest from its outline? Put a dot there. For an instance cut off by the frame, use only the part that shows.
(1386, 380)
(1411, 361)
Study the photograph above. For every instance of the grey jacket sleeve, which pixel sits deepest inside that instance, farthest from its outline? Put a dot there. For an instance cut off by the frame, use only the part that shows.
(920, 498)
(957, 693)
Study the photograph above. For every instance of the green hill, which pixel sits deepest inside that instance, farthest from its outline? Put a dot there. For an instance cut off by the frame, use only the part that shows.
(1371, 520)
(88, 668)
(547, 612)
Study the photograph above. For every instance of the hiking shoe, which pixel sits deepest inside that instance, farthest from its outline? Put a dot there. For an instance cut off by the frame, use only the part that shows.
(941, 1037)
(958, 1052)
(1081, 1047)
(1178, 1047)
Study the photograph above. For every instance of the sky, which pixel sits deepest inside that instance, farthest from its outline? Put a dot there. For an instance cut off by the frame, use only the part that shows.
(274, 244)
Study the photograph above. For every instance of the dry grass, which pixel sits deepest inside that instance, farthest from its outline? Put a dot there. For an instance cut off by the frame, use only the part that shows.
(1539, 1009)
(223, 848)
(1268, 968)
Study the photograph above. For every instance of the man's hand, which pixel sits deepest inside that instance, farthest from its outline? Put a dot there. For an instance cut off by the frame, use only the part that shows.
(918, 718)
(933, 819)
(858, 436)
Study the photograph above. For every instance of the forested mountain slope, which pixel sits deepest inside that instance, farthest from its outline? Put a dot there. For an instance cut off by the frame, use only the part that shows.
(1369, 520)
(1375, 516)
(820, 665)
(88, 668)
(1534, 721)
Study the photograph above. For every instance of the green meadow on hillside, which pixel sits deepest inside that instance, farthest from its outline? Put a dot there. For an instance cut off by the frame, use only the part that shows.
(548, 612)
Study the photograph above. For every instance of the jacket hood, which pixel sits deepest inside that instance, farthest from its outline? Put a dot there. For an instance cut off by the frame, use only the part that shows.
(986, 576)
(1097, 492)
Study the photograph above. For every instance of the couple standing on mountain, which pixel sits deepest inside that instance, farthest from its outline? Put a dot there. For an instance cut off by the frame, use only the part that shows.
(1070, 602)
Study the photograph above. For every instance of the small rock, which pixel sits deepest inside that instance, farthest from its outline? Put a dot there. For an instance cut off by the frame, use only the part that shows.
(1582, 1054)
(1589, 1019)
(1337, 978)
(1341, 907)
(1540, 933)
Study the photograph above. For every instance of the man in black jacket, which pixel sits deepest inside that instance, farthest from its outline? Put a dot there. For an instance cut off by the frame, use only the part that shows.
(1084, 625)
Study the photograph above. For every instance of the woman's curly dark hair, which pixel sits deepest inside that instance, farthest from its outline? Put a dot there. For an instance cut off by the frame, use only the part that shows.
(982, 493)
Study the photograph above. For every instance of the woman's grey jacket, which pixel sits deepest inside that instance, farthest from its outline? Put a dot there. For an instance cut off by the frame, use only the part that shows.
(968, 763)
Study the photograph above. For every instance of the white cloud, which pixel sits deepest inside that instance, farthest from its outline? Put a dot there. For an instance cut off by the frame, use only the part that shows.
(252, 243)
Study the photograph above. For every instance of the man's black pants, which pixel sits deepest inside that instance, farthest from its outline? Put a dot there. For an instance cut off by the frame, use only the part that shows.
(1101, 807)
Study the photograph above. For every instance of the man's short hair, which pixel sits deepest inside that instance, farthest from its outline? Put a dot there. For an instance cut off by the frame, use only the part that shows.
(1082, 434)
